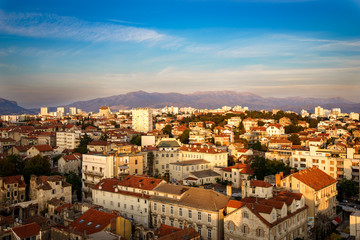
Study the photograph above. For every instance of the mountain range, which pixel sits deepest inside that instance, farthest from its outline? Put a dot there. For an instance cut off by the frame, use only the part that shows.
(206, 99)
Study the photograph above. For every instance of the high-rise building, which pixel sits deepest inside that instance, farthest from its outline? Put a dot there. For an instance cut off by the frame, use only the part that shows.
(319, 111)
(44, 111)
(72, 110)
(60, 111)
(142, 119)
(336, 111)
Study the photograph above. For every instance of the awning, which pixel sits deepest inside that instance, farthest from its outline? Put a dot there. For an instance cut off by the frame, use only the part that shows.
(336, 221)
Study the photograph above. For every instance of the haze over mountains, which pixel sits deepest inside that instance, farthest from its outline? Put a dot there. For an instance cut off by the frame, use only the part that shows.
(209, 100)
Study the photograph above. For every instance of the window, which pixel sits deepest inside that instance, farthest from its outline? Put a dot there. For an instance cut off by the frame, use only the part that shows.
(118, 204)
(245, 215)
(163, 208)
(180, 225)
(81, 221)
(259, 232)
(172, 223)
(199, 215)
(199, 230)
(15, 193)
(53, 191)
(245, 229)
(89, 223)
(111, 203)
(171, 210)
(209, 217)
(135, 162)
(180, 212)
(155, 206)
(125, 206)
(209, 232)
(190, 213)
(132, 207)
(97, 226)
(163, 220)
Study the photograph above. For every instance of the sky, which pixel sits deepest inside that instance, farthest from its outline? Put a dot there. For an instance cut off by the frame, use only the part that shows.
(57, 52)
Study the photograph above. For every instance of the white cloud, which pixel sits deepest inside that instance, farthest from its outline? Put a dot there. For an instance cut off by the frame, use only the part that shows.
(54, 26)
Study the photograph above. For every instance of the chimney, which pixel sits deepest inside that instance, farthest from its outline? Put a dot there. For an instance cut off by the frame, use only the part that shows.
(228, 190)
(282, 174)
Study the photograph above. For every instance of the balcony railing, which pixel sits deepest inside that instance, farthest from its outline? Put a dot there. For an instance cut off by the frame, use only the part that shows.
(95, 173)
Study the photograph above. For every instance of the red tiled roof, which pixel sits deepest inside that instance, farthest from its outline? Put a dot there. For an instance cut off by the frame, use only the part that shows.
(43, 148)
(235, 204)
(66, 205)
(14, 179)
(186, 233)
(166, 230)
(314, 178)
(92, 221)
(26, 231)
(145, 183)
(7, 140)
(280, 141)
(259, 183)
(70, 157)
(98, 143)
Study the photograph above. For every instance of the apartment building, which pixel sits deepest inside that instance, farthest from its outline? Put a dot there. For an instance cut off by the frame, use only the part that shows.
(67, 140)
(280, 216)
(182, 169)
(167, 152)
(70, 163)
(318, 189)
(182, 207)
(95, 166)
(142, 119)
(216, 157)
(130, 196)
(236, 174)
(12, 190)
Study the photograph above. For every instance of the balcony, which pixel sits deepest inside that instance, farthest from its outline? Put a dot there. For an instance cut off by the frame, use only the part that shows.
(93, 173)
(355, 173)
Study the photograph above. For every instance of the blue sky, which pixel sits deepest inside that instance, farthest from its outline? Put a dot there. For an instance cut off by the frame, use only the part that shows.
(57, 52)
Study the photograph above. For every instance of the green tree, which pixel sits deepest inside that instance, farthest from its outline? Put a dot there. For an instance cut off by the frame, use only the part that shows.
(349, 188)
(136, 140)
(295, 139)
(7, 168)
(263, 167)
(84, 141)
(75, 181)
(37, 165)
(167, 130)
(104, 137)
(293, 129)
(184, 137)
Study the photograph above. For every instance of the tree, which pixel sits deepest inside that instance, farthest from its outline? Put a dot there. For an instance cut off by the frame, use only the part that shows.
(7, 168)
(167, 130)
(75, 181)
(322, 226)
(84, 141)
(294, 138)
(293, 129)
(261, 123)
(263, 167)
(136, 140)
(349, 188)
(104, 137)
(184, 137)
(37, 165)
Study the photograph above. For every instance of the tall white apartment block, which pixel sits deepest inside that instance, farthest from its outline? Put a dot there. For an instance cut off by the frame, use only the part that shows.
(354, 116)
(72, 110)
(44, 111)
(319, 111)
(67, 140)
(142, 119)
(60, 111)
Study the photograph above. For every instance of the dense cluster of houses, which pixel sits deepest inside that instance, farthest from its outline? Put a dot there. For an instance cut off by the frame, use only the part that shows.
(165, 187)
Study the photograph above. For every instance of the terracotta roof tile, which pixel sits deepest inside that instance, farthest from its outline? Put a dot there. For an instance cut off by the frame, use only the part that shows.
(314, 178)
(28, 230)
(92, 221)
(259, 183)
